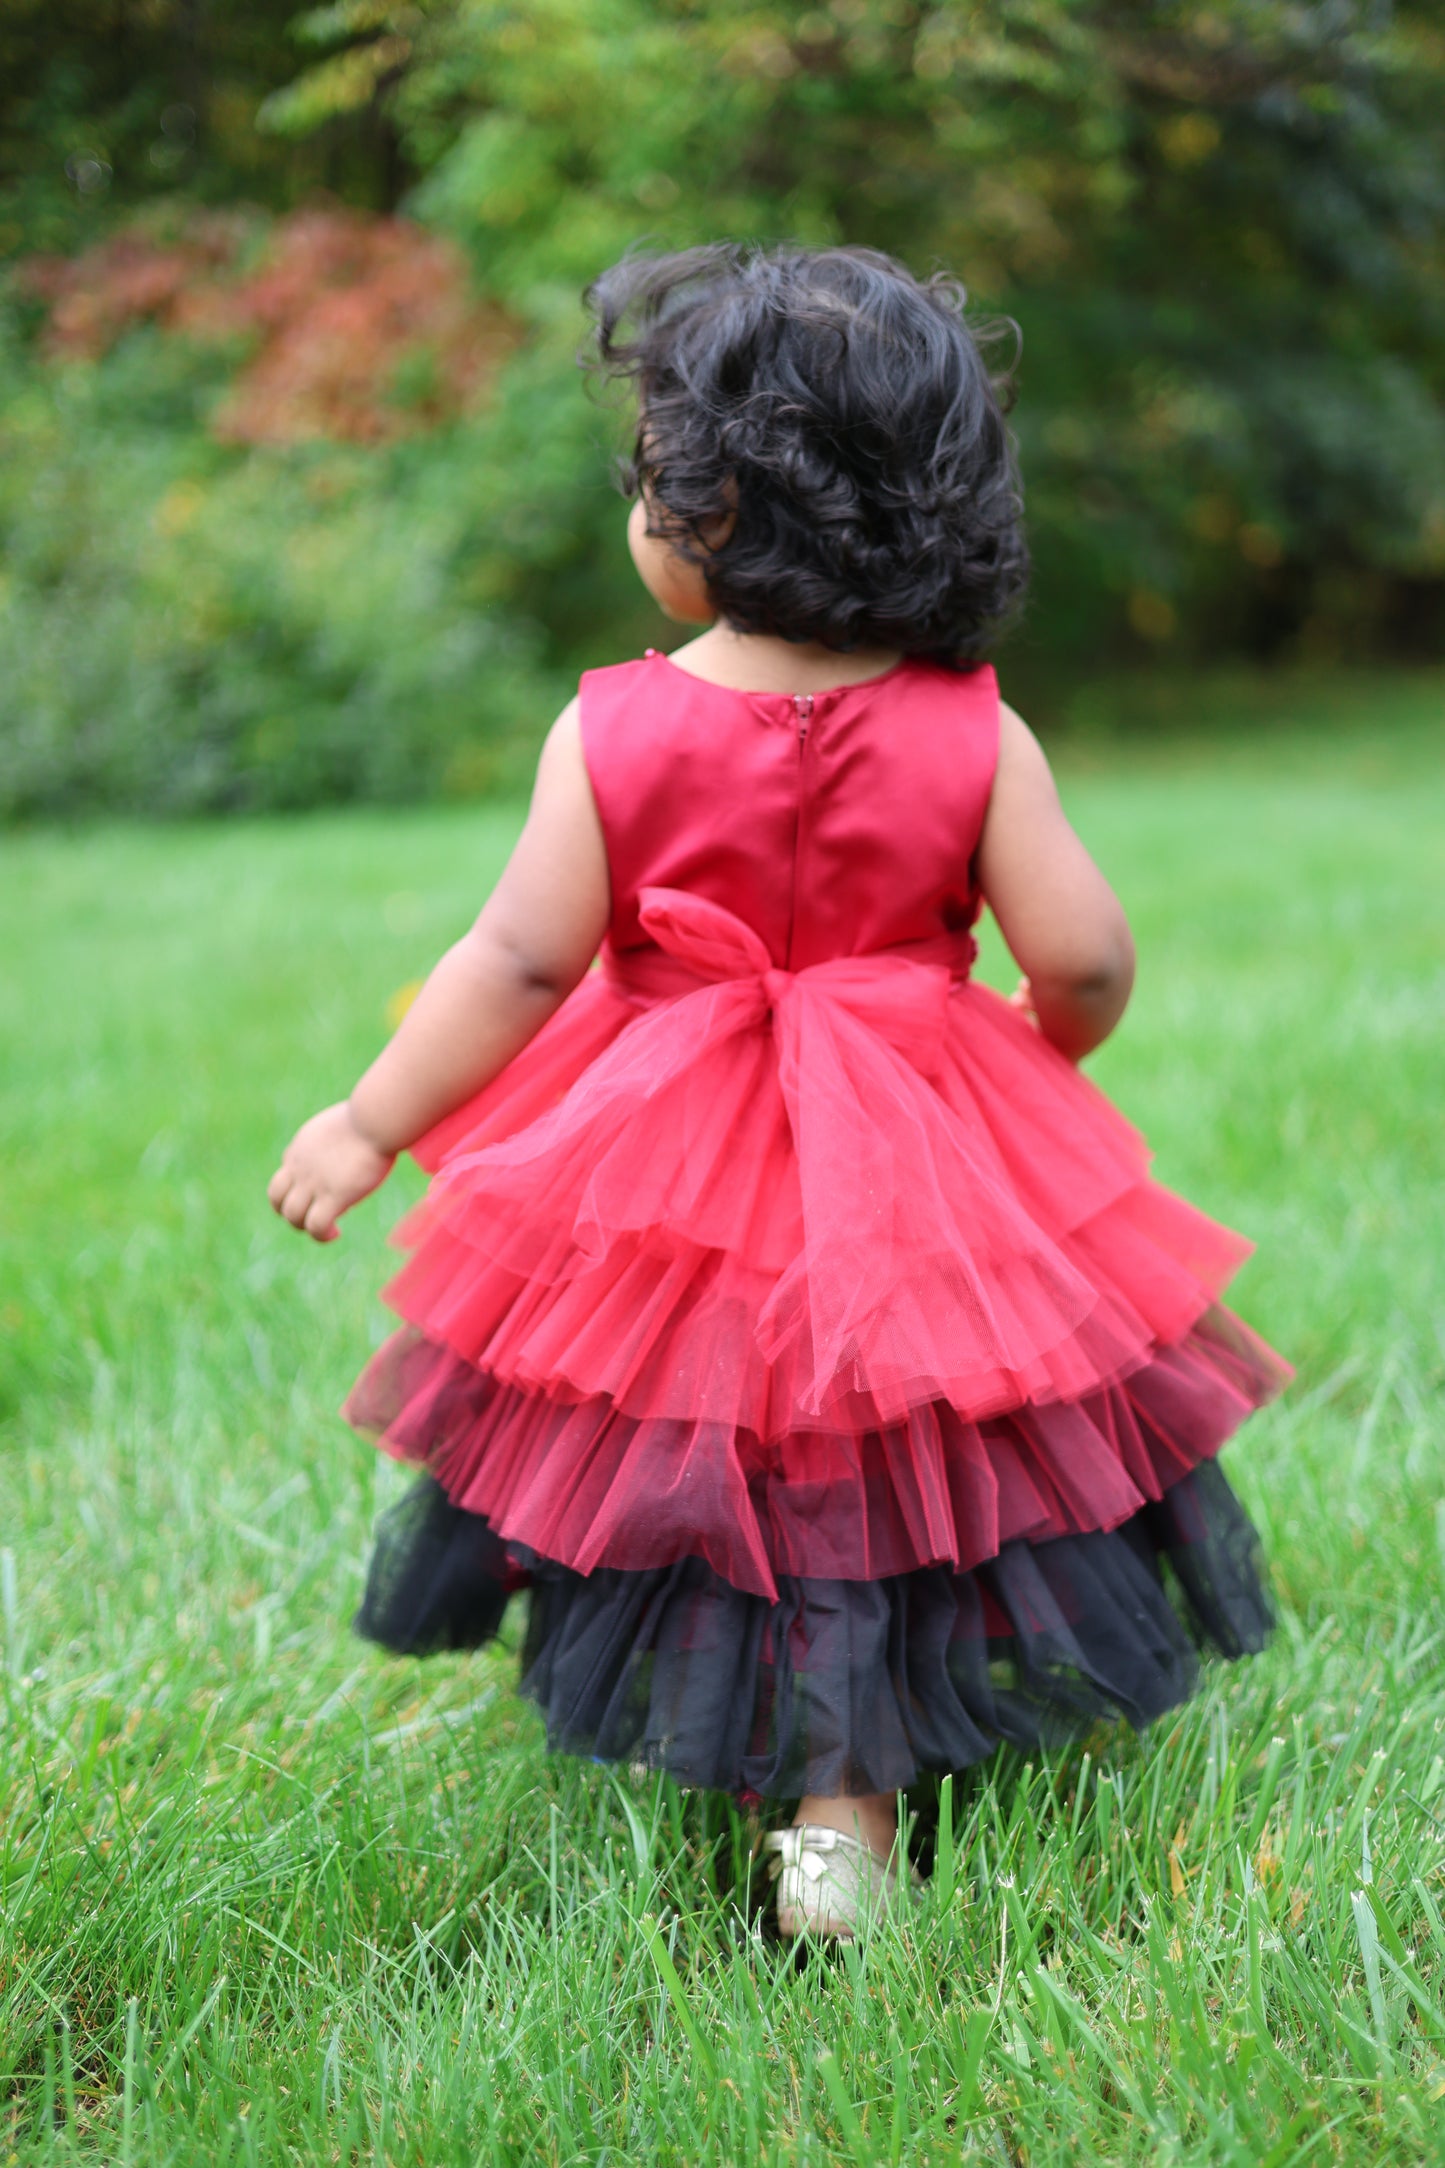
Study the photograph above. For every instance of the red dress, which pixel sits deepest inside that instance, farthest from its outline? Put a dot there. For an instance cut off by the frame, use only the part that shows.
(796, 1322)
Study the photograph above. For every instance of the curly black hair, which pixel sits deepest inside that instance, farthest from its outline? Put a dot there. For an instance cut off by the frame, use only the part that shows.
(841, 411)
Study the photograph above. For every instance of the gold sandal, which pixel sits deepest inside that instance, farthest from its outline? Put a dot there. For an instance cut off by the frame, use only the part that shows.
(827, 1883)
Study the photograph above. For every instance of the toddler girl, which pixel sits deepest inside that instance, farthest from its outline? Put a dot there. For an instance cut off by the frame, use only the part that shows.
(787, 1312)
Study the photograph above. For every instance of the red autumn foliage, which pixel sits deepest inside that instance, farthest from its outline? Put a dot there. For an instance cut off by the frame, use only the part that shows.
(357, 327)
(348, 308)
(137, 276)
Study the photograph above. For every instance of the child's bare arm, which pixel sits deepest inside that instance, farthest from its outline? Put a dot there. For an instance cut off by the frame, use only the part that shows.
(1063, 923)
(487, 997)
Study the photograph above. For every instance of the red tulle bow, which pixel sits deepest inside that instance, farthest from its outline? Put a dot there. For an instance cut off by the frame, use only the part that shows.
(917, 1266)
(905, 1001)
(856, 1038)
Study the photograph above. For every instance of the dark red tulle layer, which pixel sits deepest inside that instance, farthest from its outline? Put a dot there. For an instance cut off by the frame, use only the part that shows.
(839, 1685)
(586, 1485)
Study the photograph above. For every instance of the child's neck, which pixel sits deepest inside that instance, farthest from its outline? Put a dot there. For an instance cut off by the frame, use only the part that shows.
(756, 662)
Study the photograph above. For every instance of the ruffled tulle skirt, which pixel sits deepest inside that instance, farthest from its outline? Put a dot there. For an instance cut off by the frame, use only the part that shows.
(817, 1351)
(837, 1686)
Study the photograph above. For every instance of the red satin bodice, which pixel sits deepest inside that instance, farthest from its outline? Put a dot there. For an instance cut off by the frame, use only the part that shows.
(832, 827)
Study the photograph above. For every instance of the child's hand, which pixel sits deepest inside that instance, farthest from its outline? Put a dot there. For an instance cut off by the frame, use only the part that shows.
(326, 1168)
(1022, 999)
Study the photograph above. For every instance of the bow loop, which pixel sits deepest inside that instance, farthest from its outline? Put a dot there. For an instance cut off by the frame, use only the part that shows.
(900, 1000)
(707, 937)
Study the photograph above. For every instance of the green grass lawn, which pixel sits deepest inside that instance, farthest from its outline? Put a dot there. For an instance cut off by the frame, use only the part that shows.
(268, 1896)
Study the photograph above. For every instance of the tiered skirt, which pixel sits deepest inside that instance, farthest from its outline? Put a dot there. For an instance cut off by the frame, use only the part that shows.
(818, 1353)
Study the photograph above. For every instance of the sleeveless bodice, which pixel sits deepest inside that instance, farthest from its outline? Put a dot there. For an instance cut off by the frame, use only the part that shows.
(834, 825)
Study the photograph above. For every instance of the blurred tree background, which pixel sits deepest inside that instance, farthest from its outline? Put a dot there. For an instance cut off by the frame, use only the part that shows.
(302, 497)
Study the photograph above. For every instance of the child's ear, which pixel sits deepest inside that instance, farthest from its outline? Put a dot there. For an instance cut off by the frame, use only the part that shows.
(715, 534)
(675, 584)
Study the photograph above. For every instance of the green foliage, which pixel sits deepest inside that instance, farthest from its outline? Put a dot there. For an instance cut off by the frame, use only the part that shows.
(268, 1896)
(1219, 229)
(185, 627)
(106, 105)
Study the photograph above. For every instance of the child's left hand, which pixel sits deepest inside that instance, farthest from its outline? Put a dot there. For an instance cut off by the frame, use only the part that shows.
(326, 1168)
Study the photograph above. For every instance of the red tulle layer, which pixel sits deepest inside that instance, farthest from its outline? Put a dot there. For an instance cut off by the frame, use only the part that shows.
(703, 1211)
(587, 1486)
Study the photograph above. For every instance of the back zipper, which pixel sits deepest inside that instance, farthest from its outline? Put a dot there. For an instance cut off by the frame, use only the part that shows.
(803, 709)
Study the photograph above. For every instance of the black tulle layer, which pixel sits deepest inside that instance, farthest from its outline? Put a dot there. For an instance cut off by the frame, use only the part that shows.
(841, 1686)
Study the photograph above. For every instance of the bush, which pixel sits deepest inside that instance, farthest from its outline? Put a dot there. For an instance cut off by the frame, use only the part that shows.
(299, 508)
(185, 627)
(267, 515)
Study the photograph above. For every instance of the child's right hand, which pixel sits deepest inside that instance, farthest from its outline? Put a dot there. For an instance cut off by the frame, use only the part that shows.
(326, 1168)
(1022, 999)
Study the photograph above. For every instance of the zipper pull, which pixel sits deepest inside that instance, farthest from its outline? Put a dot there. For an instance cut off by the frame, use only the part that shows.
(803, 703)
